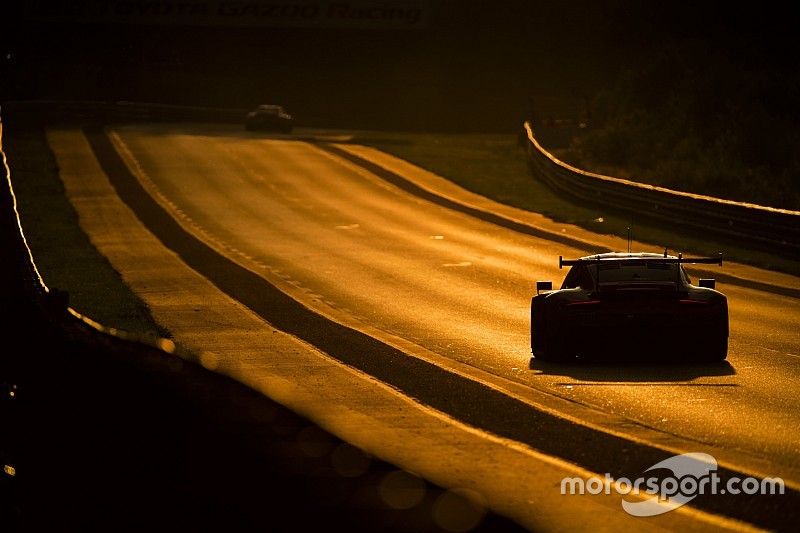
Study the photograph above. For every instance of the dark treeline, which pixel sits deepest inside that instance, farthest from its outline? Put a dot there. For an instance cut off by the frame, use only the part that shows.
(713, 107)
(471, 68)
(700, 96)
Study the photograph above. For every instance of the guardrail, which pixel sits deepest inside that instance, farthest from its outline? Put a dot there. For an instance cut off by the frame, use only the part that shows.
(23, 282)
(771, 229)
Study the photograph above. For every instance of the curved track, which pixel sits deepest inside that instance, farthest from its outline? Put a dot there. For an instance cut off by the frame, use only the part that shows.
(352, 245)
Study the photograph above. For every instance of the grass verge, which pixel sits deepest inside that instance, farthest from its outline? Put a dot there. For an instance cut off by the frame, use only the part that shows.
(494, 166)
(64, 254)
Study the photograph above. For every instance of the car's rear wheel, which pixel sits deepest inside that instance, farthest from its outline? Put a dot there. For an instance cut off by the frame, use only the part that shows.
(555, 353)
(716, 351)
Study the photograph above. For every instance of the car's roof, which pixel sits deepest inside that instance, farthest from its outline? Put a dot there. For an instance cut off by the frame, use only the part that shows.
(621, 256)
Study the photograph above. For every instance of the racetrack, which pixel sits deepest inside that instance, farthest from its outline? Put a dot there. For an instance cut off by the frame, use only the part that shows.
(449, 287)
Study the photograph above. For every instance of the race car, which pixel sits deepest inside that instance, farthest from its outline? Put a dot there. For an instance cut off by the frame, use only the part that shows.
(629, 304)
(270, 118)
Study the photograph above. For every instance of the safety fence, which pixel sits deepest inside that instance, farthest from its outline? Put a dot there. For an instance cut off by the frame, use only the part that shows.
(766, 228)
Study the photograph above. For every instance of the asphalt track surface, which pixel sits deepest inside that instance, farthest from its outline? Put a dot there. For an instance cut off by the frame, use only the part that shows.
(377, 273)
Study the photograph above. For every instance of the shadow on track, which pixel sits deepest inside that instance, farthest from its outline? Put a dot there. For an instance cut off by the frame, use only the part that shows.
(627, 371)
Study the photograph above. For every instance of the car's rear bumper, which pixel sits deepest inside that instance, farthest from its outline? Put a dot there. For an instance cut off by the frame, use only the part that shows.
(638, 335)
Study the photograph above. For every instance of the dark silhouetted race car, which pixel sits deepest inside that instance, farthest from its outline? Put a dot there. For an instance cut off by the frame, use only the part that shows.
(626, 304)
(269, 118)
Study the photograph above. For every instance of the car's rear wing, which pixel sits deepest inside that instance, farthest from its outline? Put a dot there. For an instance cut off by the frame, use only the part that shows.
(643, 260)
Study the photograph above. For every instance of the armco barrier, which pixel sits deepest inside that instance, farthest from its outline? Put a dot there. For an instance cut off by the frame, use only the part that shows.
(17, 269)
(766, 228)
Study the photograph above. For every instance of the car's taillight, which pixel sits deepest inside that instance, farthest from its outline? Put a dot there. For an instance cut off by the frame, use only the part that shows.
(694, 303)
(583, 303)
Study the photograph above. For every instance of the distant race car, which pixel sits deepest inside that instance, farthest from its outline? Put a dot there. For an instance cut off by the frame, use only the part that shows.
(631, 304)
(270, 118)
